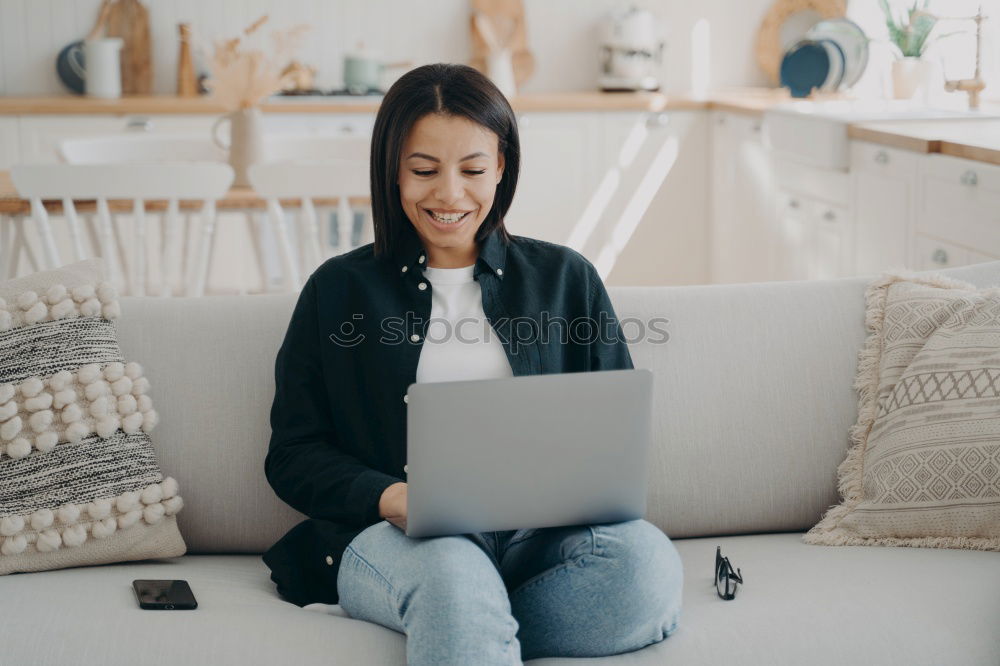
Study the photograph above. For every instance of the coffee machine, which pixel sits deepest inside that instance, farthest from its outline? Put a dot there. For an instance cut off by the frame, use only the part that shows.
(631, 51)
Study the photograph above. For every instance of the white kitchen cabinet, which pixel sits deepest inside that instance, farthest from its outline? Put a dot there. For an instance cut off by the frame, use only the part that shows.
(654, 229)
(561, 154)
(813, 238)
(959, 202)
(812, 209)
(794, 224)
(883, 182)
(627, 189)
(743, 227)
(934, 253)
(10, 149)
(830, 257)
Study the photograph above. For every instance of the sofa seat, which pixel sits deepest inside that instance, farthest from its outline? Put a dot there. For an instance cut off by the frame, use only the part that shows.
(801, 604)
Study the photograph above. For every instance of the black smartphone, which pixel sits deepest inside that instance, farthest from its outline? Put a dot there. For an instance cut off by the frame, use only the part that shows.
(164, 594)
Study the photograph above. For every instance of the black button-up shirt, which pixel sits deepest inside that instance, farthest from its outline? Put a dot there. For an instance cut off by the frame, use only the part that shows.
(338, 420)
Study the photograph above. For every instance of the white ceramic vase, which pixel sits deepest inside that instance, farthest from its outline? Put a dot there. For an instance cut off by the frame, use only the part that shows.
(910, 77)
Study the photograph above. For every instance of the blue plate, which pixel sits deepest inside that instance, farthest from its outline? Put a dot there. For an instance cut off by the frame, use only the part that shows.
(805, 66)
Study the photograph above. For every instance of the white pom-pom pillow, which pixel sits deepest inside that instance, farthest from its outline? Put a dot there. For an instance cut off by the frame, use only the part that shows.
(79, 481)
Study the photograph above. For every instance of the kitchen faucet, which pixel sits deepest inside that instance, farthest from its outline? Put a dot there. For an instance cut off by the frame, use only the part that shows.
(976, 84)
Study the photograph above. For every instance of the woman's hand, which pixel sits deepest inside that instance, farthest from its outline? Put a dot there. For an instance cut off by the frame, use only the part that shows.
(392, 505)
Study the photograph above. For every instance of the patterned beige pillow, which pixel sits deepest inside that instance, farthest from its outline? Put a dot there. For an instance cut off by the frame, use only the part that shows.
(79, 481)
(924, 466)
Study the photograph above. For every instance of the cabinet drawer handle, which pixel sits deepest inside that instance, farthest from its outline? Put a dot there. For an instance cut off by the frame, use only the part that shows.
(346, 129)
(969, 178)
(654, 120)
(881, 157)
(756, 127)
(139, 124)
(793, 203)
(829, 216)
(939, 257)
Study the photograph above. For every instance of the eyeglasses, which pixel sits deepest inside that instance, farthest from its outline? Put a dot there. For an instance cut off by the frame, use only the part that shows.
(726, 581)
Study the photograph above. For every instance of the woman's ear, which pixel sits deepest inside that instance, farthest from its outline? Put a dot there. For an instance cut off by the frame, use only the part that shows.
(500, 165)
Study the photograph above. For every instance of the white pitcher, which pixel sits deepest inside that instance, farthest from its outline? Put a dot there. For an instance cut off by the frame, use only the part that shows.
(103, 71)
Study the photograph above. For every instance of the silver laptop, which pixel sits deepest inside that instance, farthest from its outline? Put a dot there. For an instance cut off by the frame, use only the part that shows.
(527, 452)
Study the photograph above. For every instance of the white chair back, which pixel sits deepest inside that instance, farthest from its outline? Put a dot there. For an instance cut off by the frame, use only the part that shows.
(311, 169)
(138, 182)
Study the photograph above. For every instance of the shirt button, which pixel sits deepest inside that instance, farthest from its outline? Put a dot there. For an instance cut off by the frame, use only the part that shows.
(499, 271)
(406, 468)
(329, 560)
(422, 286)
(406, 398)
(421, 259)
(415, 337)
(405, 268)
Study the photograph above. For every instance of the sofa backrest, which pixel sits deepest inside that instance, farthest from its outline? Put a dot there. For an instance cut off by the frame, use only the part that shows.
(752, 391)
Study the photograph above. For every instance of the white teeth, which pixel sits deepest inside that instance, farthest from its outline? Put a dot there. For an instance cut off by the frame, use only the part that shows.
(447, 219)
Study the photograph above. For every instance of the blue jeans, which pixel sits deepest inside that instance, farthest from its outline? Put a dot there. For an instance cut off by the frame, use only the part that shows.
(500, 597)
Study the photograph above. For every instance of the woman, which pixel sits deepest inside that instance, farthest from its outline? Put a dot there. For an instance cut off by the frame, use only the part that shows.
(444, 167)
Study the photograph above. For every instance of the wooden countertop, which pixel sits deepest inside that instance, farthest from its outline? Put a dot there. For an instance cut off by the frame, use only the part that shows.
(170, 104)
(745, 100)
(972, 139)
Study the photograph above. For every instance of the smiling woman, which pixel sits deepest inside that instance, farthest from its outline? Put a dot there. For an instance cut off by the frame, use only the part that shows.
(444, 165)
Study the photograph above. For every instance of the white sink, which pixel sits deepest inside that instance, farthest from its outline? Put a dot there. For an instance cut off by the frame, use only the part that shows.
(815, 133)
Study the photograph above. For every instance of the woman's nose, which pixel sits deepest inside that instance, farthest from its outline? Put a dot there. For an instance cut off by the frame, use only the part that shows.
(449, 188)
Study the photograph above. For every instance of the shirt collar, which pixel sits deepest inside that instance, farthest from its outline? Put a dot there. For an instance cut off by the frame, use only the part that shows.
(411, 254)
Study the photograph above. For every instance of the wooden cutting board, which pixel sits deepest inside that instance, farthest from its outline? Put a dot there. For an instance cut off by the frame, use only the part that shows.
(523, 60)
(129, 19)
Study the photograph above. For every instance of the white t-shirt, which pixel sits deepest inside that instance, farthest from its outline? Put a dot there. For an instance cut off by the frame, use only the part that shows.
(460, 343)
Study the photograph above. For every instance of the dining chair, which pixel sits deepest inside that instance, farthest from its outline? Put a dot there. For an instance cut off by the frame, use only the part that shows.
(307, 180)
(301, 176)
(307, 169)
(140, 183)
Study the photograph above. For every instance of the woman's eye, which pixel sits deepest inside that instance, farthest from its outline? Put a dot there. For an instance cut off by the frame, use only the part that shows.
(471, 172)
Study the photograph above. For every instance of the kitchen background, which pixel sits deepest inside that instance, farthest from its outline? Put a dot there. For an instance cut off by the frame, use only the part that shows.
(717, 177)
(709, 43)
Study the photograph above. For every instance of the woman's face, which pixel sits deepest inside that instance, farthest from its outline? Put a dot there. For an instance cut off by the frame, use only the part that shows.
(450, 166)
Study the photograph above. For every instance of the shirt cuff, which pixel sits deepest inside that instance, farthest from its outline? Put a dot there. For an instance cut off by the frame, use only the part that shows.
(371, 484)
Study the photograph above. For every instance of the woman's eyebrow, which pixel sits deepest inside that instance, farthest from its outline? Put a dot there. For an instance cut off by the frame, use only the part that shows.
(434, 159)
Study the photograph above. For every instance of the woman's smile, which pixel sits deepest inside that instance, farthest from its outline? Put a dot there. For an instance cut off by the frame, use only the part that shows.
(447, 222)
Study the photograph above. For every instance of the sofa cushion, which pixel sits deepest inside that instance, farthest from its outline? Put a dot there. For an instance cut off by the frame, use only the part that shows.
(800, 605)
(79, 481)
(924, 466)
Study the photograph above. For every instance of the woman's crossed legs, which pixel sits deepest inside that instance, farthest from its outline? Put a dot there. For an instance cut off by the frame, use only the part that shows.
(498, 598)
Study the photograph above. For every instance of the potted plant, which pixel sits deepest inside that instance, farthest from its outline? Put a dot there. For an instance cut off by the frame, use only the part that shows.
(910, 35)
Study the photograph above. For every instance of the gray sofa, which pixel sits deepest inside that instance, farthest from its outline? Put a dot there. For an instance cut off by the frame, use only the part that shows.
(754, 400)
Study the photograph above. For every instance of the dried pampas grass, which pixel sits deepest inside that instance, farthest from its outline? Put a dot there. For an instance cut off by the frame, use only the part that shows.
(244, 73)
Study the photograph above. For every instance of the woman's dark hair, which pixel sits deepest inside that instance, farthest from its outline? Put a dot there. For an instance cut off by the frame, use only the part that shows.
(449, 89)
